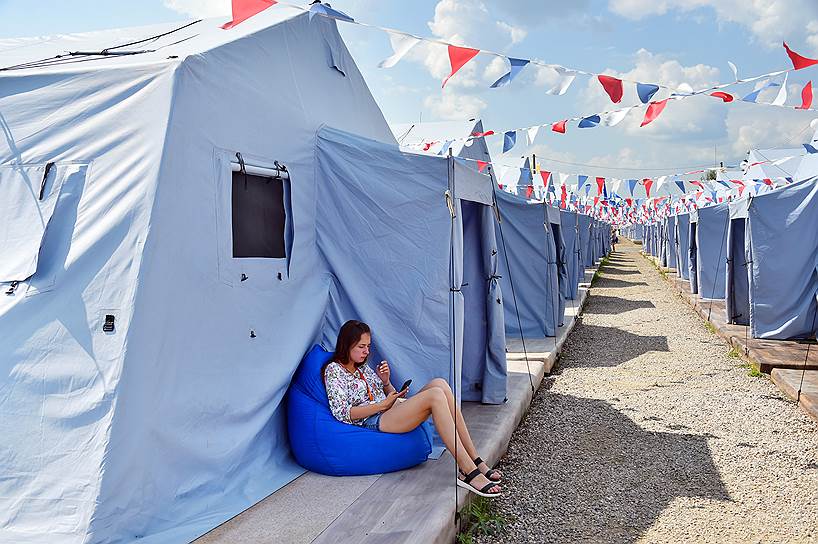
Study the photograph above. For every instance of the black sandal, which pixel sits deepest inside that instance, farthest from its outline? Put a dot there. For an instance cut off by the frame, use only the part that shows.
(488, 474)
(483, 491)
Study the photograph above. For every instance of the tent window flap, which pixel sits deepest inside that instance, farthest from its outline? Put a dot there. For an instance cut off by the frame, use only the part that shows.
(259, 216)
(28, 197)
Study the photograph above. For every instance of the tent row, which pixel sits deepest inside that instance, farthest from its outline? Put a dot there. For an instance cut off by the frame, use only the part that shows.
(758, 254)
(176, 237)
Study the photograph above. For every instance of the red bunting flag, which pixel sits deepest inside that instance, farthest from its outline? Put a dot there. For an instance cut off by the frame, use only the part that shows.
(559, 126)
(529, 190)
(481, 165)
(697, 183)
(244, 9)
(459, 56)
(428, 145)
(545, 175)
(799, 61)
(612, 86)
(481, 134)
(767, 181)
(629, 202)
(648, 183)
(654, 109)
(600, 183)
(563, 196)
(806, 97)
(724, 96)
(500, 185)
(741, 189)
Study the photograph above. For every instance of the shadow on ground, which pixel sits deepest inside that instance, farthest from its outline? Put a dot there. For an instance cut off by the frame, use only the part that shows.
(607, 282)
(581, 350)
(588, 473)
(603, 304)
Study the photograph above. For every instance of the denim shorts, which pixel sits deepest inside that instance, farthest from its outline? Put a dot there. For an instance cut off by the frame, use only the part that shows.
(372, 422)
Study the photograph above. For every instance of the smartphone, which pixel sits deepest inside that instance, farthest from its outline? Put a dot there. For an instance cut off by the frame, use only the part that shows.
(405, 385)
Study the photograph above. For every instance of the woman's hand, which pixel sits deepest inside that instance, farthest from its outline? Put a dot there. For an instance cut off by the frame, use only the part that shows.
(383, 372)
(391, 399)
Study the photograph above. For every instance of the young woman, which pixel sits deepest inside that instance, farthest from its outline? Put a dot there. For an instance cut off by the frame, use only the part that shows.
(359, 395)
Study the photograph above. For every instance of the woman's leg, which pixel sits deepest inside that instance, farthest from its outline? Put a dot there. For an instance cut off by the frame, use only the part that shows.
(462, 430)
(407, 415)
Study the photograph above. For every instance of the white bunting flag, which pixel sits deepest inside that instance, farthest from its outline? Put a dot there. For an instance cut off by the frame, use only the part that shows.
(401, 44)
(566, 78)
(532, 134)
(734, 69)
(613, 118)
(782, 94)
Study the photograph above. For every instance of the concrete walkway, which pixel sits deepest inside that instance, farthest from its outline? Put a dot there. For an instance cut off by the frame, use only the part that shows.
(648, 431)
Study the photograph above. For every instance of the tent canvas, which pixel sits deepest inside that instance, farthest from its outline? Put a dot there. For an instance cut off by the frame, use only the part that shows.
(402, 273)
(692, 252)
(683, 245)
(530, 268)
(574, 266)
(783, 250)
(670, 241)
(737, 296)
(711, 245)
(145, 360)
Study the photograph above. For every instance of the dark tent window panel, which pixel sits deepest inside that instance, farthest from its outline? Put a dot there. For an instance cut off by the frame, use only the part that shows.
(259, 217)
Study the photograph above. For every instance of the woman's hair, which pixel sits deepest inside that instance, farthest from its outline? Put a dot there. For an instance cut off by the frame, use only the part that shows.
(349, 335)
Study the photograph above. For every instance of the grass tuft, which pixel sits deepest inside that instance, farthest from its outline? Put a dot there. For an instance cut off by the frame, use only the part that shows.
(710, 327)
(734, 353)
(480, 519)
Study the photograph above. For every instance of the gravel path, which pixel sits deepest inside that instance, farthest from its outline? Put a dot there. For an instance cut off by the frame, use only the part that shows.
(650, 432)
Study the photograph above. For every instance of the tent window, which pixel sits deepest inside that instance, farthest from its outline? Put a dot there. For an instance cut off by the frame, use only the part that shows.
(28, 197)
(259, 217)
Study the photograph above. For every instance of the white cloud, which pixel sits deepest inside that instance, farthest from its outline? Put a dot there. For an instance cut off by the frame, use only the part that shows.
(770, 21)
(200, 8)
(751, 126)
(454, 106)
(516, 34)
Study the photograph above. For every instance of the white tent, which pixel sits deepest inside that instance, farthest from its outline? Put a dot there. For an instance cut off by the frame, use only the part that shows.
(145, 346)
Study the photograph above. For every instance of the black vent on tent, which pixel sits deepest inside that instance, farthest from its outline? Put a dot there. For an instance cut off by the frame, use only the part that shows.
(259, 217)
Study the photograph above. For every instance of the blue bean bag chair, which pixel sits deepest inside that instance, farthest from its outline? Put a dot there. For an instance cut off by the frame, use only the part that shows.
(323, 444)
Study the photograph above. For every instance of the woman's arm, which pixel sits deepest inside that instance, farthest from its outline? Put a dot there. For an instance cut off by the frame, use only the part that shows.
(365, 410)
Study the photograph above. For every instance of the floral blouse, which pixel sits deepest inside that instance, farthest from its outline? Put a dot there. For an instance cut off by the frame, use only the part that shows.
(346, 390)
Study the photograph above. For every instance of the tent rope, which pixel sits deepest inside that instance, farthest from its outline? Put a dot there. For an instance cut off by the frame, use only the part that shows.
(806, 359)
(511, 282)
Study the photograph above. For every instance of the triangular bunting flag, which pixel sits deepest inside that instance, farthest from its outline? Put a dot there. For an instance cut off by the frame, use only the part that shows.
(798, 61)
(516, 66)
(401, 44)
(323, 9)
(647, 182)
(631, 185)
(559, 126)
(654, 109)
(589, 122)
(481, 165)
(600, 185)
(724, 96)
(459, 56)
(781, 98)
(613, 118)
(244, 9)
(566, 78)
(509, 140)
(532, 134)
(612, 86)
(806, 97)
(646, 91)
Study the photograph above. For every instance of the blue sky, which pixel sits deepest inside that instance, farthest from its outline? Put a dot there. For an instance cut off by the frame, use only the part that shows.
(668, 41)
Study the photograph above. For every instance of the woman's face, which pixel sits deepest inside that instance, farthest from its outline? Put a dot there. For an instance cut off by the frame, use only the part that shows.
(360, 351)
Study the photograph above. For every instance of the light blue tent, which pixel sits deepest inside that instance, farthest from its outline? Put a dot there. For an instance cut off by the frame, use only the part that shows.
(683, 245)
(711, 245)
(585, 224)
(692, 252)
(590, 248)
(527, 235)
(670, 242)
(737, 283)
(783, 247)
(397, 275)
(573, 264)
(202, 233)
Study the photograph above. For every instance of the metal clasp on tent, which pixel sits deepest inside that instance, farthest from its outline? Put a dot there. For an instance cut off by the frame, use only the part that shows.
(12, 287)
(450, 203)
(278, 171)
(48, 168)
(108, 326)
